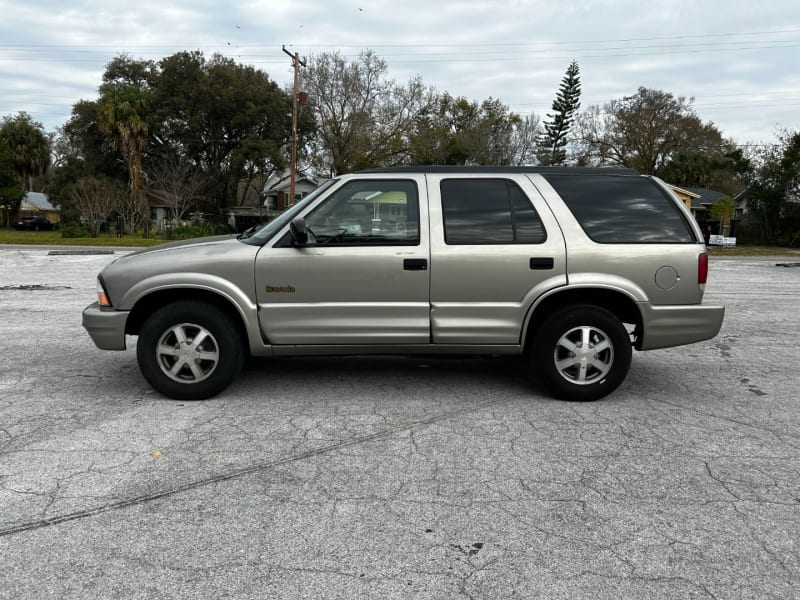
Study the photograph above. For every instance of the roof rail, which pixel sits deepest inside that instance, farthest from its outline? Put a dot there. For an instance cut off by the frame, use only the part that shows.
(504, 169)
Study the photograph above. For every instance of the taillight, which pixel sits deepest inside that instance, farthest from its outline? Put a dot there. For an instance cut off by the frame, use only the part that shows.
(702, 268)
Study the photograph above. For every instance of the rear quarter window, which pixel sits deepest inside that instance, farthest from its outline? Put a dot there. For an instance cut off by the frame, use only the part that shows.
(622, 209)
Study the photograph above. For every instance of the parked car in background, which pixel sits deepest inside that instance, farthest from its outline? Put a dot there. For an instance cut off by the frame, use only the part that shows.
(34, 224)
(569, 268)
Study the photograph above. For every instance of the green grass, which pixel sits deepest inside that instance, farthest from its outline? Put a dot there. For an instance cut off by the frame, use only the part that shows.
(752, 251)
(12, 236)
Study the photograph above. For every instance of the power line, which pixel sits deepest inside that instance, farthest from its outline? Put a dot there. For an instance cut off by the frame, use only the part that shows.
(416, 43)
(449, 58)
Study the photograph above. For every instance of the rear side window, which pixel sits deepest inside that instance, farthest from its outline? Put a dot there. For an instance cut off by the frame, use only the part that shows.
(622, 210)
(488, 211)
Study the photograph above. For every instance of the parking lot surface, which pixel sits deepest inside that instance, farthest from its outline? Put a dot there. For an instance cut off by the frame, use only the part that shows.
(390, 477)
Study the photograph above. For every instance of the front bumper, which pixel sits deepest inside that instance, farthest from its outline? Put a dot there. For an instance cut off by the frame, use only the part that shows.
(667, 326)
(106, 327)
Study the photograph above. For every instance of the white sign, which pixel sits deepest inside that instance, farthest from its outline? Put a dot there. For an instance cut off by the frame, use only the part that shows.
(719, 240)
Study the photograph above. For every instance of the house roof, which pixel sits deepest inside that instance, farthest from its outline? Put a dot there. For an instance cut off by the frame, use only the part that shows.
(36, 201)
(680, 190)
(706, 197)
(282, 182)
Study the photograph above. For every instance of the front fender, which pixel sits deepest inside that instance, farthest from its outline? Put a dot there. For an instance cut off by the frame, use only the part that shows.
(183, 282)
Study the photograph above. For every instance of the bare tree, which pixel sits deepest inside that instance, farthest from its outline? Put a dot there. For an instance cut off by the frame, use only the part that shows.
(176, 183)
(643, 131)
(524, 140)
(364, 119)
(96, 199)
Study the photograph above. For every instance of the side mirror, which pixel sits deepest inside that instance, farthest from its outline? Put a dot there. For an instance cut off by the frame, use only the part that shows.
(298, 230)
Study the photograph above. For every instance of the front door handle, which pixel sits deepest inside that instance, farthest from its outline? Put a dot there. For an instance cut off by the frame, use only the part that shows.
(415, 264)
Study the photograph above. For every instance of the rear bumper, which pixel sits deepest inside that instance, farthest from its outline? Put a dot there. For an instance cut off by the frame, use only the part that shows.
(664, 327)
(105, 327)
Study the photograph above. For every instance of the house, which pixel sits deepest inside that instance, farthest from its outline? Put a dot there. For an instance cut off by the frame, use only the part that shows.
(261, 200)
(37, 204)
(277, 189)
(686, 196)
(701, 209)
(699, 200)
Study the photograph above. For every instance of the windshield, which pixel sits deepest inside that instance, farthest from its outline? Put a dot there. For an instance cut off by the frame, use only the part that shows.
(258, 238)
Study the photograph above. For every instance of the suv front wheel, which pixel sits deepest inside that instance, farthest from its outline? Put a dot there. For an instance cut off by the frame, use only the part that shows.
(581, 352)
(190, 350)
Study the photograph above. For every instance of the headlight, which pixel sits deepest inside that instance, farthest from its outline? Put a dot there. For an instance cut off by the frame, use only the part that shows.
(102, 297)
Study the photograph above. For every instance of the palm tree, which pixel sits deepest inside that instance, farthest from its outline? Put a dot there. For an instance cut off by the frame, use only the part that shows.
(29, 147)
(123, 116)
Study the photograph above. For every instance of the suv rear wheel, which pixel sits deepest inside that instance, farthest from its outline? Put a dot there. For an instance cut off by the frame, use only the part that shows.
(581, 352)
(190, 350)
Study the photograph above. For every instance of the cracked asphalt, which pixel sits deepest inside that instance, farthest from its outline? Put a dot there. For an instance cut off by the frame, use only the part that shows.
(398, 477)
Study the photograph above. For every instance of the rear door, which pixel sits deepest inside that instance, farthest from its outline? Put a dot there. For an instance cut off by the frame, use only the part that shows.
(362, 278)
(495, 248)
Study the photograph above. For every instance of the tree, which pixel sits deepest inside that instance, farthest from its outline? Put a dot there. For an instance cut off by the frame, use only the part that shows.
(723, 210)
(493, 138)
(774, 192)
(223, 120)
(726, 172)
(123, 115)
(559, 124)
(644, 131)
(455, 131)
(96, 199)
(29, 147)
(89, 147)
(176, 183)
(364, 119)
(229, 120)
(11, 193)
(524, 140)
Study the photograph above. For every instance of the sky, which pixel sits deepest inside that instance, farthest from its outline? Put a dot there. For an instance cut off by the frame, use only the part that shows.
(740, 61)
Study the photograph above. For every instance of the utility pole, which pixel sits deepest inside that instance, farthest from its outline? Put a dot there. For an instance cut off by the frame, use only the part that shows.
(296, 63)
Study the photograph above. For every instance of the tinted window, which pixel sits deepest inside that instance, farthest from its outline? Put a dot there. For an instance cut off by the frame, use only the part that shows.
(367, 212)
(626, 210)
(488, 211)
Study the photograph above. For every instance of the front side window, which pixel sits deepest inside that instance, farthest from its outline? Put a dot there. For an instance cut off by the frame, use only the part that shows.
(622, 209)
(488, 211)
(267, 231)
(367, 213)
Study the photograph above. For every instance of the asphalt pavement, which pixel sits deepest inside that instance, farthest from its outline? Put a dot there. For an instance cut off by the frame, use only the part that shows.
(398, 477)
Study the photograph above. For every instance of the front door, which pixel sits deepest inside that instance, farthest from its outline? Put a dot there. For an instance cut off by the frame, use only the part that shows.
(363, 276)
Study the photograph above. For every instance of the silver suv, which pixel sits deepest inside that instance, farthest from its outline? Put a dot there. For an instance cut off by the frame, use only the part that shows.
(570, 268)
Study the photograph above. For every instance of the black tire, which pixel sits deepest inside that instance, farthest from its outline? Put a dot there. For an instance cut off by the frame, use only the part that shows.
(190, 350)
(563, 364)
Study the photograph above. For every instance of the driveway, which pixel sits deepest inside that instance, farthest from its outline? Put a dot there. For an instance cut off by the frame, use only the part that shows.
(398, 477)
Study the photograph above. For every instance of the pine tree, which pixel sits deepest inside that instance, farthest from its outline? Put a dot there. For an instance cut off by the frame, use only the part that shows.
(557, 127)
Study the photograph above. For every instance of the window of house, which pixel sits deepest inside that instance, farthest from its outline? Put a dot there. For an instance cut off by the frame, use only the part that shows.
(488, 211)
(367, 212)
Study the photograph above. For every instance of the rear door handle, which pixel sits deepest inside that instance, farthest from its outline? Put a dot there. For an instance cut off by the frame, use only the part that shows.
(541, 264)
(415, 264)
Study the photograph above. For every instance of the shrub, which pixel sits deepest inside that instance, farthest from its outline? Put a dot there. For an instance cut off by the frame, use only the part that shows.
(75, 230)
(204, 229)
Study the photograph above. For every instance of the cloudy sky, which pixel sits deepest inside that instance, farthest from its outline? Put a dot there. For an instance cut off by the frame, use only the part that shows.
(738, 60)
